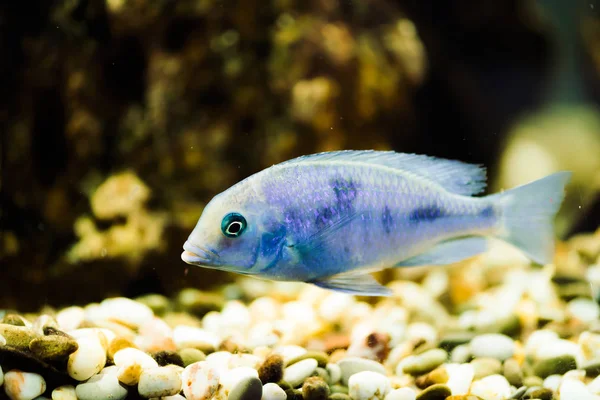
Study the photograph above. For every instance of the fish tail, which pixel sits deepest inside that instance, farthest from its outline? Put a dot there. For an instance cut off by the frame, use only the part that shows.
(527, 215)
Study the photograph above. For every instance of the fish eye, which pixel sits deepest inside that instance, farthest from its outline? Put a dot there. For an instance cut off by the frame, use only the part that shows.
(233, 225)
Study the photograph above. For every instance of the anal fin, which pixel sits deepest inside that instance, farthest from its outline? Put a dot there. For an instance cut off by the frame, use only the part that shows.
(448, 252)
(356, 283)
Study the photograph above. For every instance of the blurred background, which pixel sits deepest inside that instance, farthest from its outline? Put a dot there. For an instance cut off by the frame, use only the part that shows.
(121, 119)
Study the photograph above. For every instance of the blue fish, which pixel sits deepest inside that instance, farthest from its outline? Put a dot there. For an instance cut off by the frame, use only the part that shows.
(331, 219)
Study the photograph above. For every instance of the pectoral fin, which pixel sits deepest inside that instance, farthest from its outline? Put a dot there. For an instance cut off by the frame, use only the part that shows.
(360, 284)
(448, 252)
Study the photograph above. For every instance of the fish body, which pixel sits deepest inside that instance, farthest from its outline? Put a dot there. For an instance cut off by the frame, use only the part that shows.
(333, 218)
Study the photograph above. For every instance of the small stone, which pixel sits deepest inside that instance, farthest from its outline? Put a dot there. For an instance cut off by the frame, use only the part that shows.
(159, 382)
(20, 385)
(321, 357)
(271, 370)
(335, 373)
(339, 389)
(99, 387)
(158, 303)
(289, 352)
(532, 381)
(66, 392)
(53, 347)
(70, 318)
(124, 311)
(340, 396)
(14, 319)
(450, 341)
(315, 388)
(540, 393)
(17, 336)
(461, 354)
(244, 360)
(585, 310)
(190, 355)
(88, 360)
(374, 346)
(247, 388)
(131, 362)
(164, 358)
(460, 378)
(352, 365)
(553, 382)
(401, 394)
(517, 394)
(272, 391)
(591, 368)
(556, 365)
(486, 366)
(230, 378)
(492, 345)
(425, 362)
(118, 343)
(188, 336)
(512, 372)
(438, 375)
(199, 303)
(297, 373)
(594, 386)
(572, 389)
(200, 381)
(493, 387)
(368, 385)
(435, 392)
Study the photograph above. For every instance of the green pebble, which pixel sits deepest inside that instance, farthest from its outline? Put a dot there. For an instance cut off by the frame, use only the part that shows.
(451, 340)
(190, 355)
(321, 357)
(315, 388)
(339, 396)
(512, 372)
(198, 302)
(339, 389)
(53, 347)
(591, 368)
(485, 367)
(17, 336)
(556, 365)
(13, 319)
(532, 381)
(435, 392)
(425, 362)
(294, 394)
(158, 303)
(539, 393)
(248, 388)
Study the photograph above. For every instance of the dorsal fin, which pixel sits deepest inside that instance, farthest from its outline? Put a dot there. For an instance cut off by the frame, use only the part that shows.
(455, 176)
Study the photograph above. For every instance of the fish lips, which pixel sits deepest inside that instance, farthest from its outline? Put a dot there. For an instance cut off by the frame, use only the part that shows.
(195, 255)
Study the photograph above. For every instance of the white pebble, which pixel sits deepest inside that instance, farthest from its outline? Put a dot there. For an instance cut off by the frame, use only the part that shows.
(189, 336)
(66, 392)
(200, 381)
(88, 360)
(594, 386)
(460, 378)
(289, 352)
(130, 355)
(20, 385)
(230, 378)
(404, 393)
(102, 386)
(585, 310)
(556, 348)
(333, 307)
(552, 382)
(368, 385)
(461, 354)
(492, 387)
(125, 311)
(421, 330)
(244, 360)
(590, 345)
(352, 365)
(219, 360)
(538, 339)
(335, 373)
(235, 318)
(272, 391)
(296, 373)
(70, 318)
(573, 389)
(159, 382)
(492, 345)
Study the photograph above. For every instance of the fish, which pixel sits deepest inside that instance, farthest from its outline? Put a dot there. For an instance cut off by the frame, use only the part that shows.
(331, 219)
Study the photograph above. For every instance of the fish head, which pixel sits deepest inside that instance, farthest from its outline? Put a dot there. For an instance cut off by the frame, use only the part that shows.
(230, 233)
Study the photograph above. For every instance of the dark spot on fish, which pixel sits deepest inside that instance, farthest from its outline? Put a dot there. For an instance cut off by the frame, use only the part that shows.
(324, 216)
(387, 221)
(425, 214)
(345, 193)
(346, 250)
(487, 212)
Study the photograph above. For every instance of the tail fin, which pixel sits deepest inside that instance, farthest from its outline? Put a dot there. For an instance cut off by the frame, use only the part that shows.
(528, 212)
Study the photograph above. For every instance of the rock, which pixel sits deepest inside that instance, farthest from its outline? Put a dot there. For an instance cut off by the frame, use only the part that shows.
(188, 336)
(540, 393)
(158, 303)
(368, 385)
(297, 373)
(517, 394)
(20, 385)
(423, 363)
(118, 343)
(289, 352)
(272, 391)
(438, 375)
(130, 355)
(594, 386)
(164, 358)
(190, 355)
(271, 370)
(512, 372)
(460, 378)
(492, 345)
(339, 396)
(200, 381)
(401, 394)
(159, 382)
(124, 311)
(53, 347)
(247, 388)
(230, 378)
(65, 392)
(315, 388)
(88, 359)
(461, 354)
(590, 345)
(435, 392)
(552, 382)
(585, 310)
(352, 365)
(572, 389)
(198, 302)
(532, 381)
(70, 318)
(335, 373)
(244, 360)
(17, 336)
(493, 387)
(15, 320)
(321, 357)
(556, 365)
(486, 366)
(99, 387)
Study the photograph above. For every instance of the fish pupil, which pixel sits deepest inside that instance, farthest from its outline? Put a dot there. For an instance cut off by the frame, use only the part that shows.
(233, 225)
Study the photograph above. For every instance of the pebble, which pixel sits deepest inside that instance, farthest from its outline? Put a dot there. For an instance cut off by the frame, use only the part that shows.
(315, 388)
(573, 389)
(159, 382)
(88, 359)
(190, 355)
(351, 365)
(368, 385)
(438, 375)
(297, 373)
(321, 357)
(404, 393)
(539, 393)
(486, 366)
(585, 310)
(189, 336)
(460, 378)
(118, 343)
(66, 392)
(101, 386)
(556, 365)
(512, 372)
(20, 385)
(200, 381)
(53, 347)
(272, 391)
(271, 370)
(492, 345)
(124, 311)
(335, 373)
(424, 362)
(17, 336)
(493, 387)
(247, 388)
(461, 354)
(131, 362)
(594, 386)
(435, 392)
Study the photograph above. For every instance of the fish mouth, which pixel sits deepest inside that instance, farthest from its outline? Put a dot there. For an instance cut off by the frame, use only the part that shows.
(196, 255)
